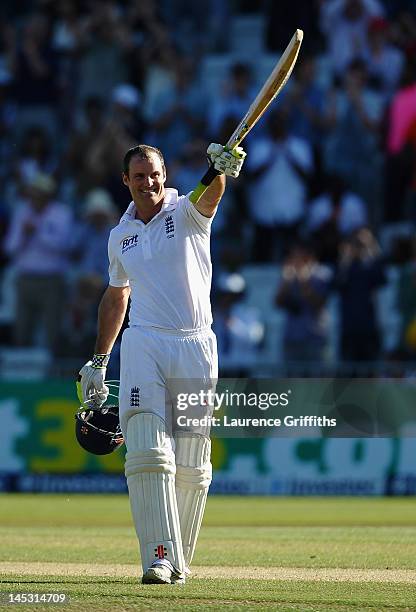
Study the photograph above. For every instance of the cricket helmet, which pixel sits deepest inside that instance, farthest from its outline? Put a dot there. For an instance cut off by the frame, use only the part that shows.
(97, 429)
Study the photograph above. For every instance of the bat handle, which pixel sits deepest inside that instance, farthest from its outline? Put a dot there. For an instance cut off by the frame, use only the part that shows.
(204, 183)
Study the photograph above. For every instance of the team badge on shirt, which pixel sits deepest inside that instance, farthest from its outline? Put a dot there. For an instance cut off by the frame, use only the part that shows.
(135, 397)
(169, 226)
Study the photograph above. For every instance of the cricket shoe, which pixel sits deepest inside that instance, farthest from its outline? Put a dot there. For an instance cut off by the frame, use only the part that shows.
(162, 572)
(175, 579)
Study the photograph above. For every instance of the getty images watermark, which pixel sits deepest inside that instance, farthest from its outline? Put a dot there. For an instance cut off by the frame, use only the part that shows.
(294, 407)
(226, 402)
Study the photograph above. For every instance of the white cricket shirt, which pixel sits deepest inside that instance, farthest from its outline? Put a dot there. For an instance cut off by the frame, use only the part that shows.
(167, 264)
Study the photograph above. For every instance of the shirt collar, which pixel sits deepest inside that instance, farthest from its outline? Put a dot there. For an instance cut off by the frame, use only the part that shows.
(169, 203)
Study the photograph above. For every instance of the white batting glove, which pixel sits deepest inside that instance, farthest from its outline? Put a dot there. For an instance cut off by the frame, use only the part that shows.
(226, 162)
(91, 387)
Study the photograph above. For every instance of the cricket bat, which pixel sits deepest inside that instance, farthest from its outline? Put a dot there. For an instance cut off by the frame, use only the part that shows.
(271, 88)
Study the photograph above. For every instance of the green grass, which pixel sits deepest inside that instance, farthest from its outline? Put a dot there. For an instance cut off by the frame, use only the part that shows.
(357, 533)
(225, 594)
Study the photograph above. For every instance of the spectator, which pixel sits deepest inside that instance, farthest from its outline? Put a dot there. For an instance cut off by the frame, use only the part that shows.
(279, 167)
(91, 235)
(35, 69)
(384, 61)
(105, 42)
(38, 245)
(89, 249)
(303, 294)
(404, 26)
(123, 129)
(306, 103)
(238, 327)
(345, 25)
(159, 74)
(35, 156)
(220, 17)
(81, 147)
(66, 32)
(179, 112)
(194, 25)
(66, 39)
(234, 100)
(352, 149)
(151, 55)
(336, 213)
(360, 273)
(192, 166)
(398, 175)
(402, 109)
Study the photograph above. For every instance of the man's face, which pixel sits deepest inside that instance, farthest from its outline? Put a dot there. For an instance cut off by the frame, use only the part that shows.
(146, 182)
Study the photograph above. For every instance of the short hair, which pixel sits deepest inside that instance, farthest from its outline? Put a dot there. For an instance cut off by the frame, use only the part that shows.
(142, 151)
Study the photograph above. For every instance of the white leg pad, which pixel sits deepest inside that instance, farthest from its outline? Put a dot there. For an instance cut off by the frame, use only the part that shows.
(193, 477)
(150, 472)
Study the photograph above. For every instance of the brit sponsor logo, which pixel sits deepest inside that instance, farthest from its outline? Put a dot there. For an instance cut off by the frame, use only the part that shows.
(169, 226)
(129, 242)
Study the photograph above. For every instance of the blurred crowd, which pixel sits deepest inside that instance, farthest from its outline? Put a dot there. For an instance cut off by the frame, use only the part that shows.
(328, 193)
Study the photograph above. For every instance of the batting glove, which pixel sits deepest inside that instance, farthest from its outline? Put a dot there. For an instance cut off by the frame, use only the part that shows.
(226, 162)
(91, 387)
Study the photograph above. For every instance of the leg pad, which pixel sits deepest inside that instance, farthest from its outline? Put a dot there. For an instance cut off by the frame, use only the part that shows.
(150, 471)
(193, 477)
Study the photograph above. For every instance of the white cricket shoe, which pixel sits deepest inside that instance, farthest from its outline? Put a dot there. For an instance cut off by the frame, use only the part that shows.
(175, 579)
(162, 572)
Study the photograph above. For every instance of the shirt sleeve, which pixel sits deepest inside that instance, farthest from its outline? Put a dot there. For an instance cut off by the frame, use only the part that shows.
(116, 272)
(193, 216)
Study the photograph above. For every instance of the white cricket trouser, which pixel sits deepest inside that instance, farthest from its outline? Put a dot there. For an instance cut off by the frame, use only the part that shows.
(155, 364)
(167, 493)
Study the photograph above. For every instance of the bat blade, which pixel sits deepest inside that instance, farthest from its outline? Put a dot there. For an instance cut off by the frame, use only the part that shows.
(271, 88)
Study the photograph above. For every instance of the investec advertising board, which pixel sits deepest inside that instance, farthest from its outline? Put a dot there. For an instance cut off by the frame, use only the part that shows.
(38, 452)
